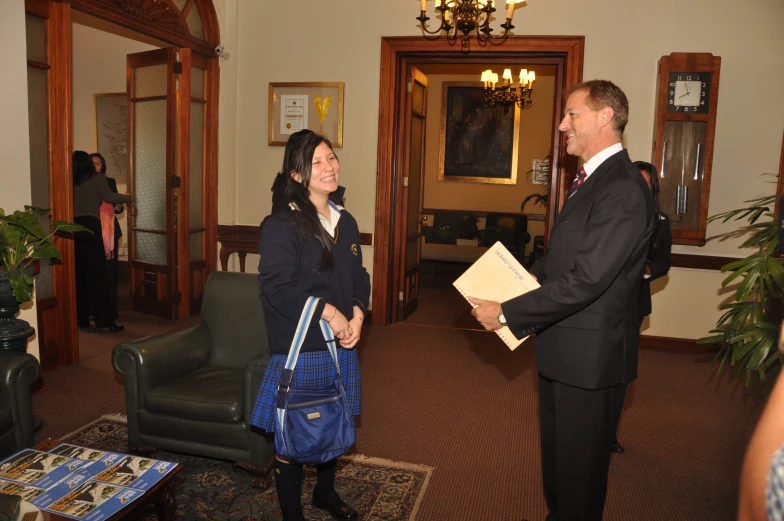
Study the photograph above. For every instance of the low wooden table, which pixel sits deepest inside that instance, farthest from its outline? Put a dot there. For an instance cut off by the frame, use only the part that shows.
(161, 495)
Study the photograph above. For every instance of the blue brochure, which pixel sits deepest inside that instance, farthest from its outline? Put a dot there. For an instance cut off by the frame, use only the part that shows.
(79, 497)
(39, 469)
(120, 469)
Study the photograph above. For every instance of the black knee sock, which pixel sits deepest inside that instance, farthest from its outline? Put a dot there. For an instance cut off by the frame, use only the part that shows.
(326, 478)
(288, 483)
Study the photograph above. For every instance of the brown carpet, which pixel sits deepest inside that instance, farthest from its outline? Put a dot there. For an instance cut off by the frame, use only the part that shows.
(461, 402)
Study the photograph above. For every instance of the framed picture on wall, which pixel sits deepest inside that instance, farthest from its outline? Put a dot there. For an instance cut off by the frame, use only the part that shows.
(478, 144)
(317, 106)
(111, 133)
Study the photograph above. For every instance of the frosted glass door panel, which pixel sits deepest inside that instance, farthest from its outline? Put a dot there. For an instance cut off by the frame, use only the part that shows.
(149, 156)
(196, 170)
(194, 22)
(150, 248)
(150, 81)
(197, 83)
(195, 245)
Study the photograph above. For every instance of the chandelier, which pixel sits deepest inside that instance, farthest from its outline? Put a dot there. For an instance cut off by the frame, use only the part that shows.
(467, 16)
(505, 93)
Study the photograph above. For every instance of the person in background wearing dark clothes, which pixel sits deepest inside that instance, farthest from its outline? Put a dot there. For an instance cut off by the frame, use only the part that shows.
(310, 247)
(658, 263)
(112, 264)
(92, 285)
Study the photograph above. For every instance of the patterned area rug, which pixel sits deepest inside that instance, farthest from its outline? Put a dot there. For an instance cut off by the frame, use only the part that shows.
(212, 490)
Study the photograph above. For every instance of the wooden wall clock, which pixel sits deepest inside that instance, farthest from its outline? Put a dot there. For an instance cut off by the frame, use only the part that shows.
(683, 135)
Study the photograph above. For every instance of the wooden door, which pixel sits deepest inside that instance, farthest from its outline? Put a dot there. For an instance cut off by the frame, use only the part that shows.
(49, 104)
(412, 195)
(152, 181)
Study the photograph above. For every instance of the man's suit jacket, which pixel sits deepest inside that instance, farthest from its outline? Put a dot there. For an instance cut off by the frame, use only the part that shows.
(586, 335)
(659, 265)
(117, 229)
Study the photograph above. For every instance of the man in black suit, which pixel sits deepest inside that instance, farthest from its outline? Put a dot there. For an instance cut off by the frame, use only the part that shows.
(585, 313)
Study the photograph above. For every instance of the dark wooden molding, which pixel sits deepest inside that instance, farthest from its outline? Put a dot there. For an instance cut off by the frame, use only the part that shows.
(397, 54)
(157, 19)
(700, 262)
(59, 103)
(676, 345)
(238, 230)
(243, 239)
(483, 213)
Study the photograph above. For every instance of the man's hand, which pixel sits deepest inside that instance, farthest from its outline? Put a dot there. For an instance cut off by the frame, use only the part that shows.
(487, 312)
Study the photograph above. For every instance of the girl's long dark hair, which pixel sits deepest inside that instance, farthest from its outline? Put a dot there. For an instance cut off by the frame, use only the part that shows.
(648, 168)
(298, 158)
(83, 168)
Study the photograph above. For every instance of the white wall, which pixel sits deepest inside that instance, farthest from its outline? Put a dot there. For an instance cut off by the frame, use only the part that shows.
(14, 128)
(327, 40)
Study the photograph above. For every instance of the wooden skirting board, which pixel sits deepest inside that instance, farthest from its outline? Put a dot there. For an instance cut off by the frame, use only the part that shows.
(676, 345)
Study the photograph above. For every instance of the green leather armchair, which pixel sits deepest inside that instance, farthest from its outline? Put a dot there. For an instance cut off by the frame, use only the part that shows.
(193, 390)
(17, 372)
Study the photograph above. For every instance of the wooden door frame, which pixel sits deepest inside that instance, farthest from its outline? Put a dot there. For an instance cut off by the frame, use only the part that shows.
(157, 22)
(405, 306)
(397, 53)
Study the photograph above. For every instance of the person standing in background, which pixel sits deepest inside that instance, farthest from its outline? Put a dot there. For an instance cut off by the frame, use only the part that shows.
(92, 285)
(658, 263)
(112, 264)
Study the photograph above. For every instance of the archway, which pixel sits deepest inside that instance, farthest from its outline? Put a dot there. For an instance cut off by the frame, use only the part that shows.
(190, 25)
(397, 54)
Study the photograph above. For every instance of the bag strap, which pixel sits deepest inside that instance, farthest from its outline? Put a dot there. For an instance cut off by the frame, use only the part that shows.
(299, 337)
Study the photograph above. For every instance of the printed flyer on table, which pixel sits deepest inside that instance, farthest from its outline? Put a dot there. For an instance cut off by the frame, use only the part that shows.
(80, 482)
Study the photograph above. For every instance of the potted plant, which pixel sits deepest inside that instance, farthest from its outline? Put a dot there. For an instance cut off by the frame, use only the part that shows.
(542, 174)
(23, 241)
(747, 332)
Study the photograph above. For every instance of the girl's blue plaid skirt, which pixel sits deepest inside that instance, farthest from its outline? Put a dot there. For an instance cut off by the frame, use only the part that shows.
(314, 370)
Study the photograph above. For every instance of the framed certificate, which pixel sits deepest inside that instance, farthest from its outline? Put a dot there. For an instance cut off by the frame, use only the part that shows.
(297, 106)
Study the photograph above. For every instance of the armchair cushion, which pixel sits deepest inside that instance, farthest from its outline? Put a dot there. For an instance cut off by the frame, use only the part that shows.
(210, 393)
(235, 327)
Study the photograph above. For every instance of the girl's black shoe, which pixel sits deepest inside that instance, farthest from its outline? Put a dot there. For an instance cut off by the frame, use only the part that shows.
(336, 506)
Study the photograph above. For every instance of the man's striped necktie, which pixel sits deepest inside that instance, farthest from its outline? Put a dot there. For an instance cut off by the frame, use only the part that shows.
(578, 180)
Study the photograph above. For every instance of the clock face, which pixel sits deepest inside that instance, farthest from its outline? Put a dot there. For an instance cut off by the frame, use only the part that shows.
(688, 92)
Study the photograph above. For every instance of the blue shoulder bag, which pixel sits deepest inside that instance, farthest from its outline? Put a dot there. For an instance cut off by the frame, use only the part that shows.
(312, 425)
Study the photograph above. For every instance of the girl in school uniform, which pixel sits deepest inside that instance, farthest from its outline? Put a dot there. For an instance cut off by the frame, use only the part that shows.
(311, 248)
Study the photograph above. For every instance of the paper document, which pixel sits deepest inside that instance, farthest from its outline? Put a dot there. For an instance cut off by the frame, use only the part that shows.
(497, 276)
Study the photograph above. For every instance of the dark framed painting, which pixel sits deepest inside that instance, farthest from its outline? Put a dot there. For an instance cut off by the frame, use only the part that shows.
(478, 144)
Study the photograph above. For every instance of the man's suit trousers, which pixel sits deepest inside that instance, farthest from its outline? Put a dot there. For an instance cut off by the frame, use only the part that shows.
(577, 431)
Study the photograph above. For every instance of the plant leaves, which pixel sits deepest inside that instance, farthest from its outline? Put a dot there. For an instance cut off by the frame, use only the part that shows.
(63, 226)
(23, 291)
(45, 250)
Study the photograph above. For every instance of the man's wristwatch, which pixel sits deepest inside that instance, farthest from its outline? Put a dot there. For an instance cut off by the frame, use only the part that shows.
(502, 319)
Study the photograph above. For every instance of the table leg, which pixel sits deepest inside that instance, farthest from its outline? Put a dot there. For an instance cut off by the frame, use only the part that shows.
(224, 258)
(242, 256)
(165, 503)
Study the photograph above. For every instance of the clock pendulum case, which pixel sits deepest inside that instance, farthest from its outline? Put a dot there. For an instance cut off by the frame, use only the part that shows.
(683, 135)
